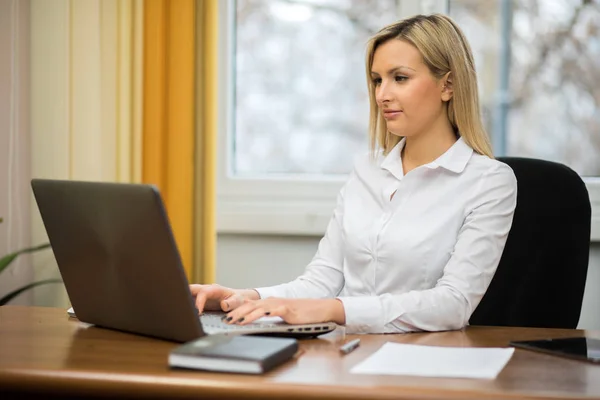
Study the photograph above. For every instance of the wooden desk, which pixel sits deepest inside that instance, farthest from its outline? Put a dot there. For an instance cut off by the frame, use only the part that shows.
(42, 351)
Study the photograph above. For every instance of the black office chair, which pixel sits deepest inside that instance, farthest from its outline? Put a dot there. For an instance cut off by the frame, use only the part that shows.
(541, 276)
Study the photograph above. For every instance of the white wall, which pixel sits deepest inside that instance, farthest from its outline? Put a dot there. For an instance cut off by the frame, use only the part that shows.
(251, 261)
(259, 260)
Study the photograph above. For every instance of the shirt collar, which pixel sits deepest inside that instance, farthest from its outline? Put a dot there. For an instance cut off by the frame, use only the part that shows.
(393, 161)
(454, 159)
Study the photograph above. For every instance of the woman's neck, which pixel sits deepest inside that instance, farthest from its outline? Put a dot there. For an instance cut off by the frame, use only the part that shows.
(426, 147)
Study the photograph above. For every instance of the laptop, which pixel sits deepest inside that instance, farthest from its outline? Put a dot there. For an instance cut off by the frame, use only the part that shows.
(121, 267)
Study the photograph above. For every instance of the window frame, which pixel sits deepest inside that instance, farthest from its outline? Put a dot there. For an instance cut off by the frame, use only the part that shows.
(291, 205)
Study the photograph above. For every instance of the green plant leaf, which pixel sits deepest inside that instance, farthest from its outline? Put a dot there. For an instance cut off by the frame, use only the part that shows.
(9, 258)
(5, 299)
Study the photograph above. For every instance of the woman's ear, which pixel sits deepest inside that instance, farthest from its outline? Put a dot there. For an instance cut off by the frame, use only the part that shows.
(447, 88)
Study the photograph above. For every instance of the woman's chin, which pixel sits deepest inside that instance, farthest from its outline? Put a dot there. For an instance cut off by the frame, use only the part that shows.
(398, 132)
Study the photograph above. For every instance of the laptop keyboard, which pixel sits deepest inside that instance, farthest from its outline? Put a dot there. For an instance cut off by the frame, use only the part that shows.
(212, 323)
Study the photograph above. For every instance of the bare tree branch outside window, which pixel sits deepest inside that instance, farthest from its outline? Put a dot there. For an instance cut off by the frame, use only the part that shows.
(554, 74)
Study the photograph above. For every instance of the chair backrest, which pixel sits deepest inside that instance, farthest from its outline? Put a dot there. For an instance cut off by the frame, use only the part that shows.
(541, 276)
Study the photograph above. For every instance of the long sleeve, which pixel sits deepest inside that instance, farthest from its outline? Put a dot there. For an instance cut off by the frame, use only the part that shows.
(465, 278)
(323, 277)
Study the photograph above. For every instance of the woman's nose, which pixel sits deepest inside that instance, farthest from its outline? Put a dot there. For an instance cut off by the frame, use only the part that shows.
(382, 94)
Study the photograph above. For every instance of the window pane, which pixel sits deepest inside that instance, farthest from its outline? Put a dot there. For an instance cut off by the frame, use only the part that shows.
(301, 99)
(552, 66)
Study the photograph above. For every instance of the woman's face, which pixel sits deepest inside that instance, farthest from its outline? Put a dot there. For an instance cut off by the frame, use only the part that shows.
(410, 98)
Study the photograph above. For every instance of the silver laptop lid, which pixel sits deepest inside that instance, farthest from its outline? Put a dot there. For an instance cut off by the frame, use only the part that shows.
(117, 257)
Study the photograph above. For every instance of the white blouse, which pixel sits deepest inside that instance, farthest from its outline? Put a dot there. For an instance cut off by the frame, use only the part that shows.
(420, 260)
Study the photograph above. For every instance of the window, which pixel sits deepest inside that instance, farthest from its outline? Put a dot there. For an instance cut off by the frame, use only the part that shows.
(301, 103)
(296, 108)
(539, 64)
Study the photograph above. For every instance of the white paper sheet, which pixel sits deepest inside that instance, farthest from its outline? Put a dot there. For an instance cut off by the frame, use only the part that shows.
(435, 361)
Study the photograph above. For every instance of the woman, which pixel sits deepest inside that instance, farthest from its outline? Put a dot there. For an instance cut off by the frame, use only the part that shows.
(421, 223)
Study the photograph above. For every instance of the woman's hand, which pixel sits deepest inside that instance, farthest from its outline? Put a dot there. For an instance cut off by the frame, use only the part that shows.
(216, 297)
(292, 311)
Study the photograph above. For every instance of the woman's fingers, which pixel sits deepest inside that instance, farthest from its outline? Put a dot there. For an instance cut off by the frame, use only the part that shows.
(195, 289)
(237, 315)
(232, 302)
(241, 313)
(206, 293)
(200, 296)
(252, 310)
(254, 315)
(267, 310)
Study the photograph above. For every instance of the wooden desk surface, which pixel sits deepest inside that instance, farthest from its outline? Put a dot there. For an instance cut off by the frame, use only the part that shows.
(44, 351)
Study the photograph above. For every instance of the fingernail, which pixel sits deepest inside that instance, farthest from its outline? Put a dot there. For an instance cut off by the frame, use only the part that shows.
(267, 313)
(240, 320)
(223, 317)
(228, 319)
(226, 306)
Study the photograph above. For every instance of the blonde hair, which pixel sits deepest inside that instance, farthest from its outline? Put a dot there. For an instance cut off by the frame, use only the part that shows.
(444, 49)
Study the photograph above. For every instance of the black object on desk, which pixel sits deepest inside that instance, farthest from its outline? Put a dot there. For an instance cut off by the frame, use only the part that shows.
(580, 348)
(239, 354)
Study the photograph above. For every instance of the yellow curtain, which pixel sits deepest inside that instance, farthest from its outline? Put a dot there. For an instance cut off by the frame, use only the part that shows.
(168, 113)
(180, 97)
(206, 148)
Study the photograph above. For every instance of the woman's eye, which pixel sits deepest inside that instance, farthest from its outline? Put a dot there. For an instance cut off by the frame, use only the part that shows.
(376, 81)
(401, 78)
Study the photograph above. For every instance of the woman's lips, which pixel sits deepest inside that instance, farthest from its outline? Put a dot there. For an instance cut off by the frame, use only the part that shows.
(391, 114)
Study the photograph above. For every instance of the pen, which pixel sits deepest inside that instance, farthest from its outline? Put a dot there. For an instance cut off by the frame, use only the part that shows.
(350, 346)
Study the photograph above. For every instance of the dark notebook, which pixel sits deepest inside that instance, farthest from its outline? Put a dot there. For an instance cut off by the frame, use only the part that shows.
(240, 354)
